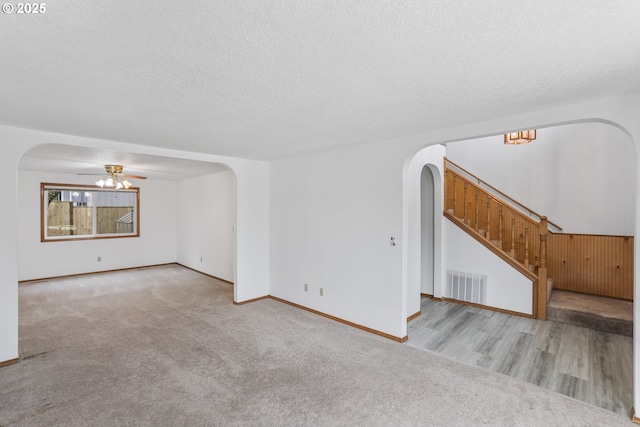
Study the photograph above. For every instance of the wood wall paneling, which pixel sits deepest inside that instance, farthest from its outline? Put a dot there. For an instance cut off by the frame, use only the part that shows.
(593, 264)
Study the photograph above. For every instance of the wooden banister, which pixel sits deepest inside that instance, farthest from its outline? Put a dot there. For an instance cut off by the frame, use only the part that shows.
(510, 199)
(487, 208)
(593, 264)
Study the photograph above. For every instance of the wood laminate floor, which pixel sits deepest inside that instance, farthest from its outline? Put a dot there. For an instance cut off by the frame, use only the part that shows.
(592, 366)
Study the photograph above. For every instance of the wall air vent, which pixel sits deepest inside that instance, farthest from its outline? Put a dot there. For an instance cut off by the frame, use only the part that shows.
(466, 287)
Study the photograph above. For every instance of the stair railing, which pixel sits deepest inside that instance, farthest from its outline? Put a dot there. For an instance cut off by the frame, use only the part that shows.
(485, 212)
(491, 189)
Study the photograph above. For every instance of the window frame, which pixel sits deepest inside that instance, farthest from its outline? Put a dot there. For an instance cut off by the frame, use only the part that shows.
(44, 204)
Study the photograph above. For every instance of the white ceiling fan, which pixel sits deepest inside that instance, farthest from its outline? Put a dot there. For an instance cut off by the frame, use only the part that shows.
(114, 178)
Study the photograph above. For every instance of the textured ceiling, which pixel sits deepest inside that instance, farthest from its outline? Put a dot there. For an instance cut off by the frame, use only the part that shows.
(268, 79)
(60, 158)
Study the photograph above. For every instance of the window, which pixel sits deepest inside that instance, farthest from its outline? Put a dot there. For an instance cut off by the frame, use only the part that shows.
(74, 212)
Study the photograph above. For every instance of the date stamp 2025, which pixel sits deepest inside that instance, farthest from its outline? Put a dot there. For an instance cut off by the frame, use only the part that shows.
(25, 8)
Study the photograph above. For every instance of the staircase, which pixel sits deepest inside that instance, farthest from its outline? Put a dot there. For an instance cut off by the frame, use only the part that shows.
(500, 225)
(584, 264)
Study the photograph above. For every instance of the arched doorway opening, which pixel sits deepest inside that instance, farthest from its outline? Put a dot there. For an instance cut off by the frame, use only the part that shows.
(593, 168)
(427, 229)
(187, 213)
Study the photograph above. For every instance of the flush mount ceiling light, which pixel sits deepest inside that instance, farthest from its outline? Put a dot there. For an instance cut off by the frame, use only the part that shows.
(115, 178)
(522, 137)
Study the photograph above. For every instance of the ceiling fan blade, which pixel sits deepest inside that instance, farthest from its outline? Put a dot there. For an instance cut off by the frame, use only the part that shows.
(114, 170)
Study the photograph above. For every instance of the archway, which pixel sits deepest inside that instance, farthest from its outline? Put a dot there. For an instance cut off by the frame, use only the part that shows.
(431, 158)
(200, 235)
(427, 213)
(624, 216)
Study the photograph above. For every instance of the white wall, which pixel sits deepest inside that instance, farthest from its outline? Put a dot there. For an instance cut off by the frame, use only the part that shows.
(332, 217)
(156, 244)
(206, 224)
(252, 229)
(506, 288)
(8, 253)
(581, 176)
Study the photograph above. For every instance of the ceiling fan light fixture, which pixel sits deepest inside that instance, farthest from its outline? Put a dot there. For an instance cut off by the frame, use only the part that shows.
(113, 179)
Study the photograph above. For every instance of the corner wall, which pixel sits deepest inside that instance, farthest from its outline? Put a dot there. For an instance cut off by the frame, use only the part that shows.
(9, 254)
(206, 214)
(332, 218)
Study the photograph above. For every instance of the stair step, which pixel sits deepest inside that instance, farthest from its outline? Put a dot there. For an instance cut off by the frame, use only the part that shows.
(601, 313)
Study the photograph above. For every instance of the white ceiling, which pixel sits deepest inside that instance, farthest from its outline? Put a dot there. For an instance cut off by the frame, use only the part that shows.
(60, 158)
(268, 79)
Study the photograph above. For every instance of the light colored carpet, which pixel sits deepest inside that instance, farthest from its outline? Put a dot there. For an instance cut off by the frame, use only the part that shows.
(165, 346)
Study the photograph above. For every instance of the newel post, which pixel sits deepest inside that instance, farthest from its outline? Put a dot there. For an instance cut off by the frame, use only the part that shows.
(541, 311)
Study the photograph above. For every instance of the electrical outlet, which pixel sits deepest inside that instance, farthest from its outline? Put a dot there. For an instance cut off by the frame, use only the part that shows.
(306, 287)
(99, 259)
(321, 292)
(200, 259)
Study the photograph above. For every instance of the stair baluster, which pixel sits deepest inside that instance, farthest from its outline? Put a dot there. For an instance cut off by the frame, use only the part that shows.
(513, 236)
(455, 195)
(488, 229)
(477, 206)
(464, 217)
(500, 229)
(526, 247)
